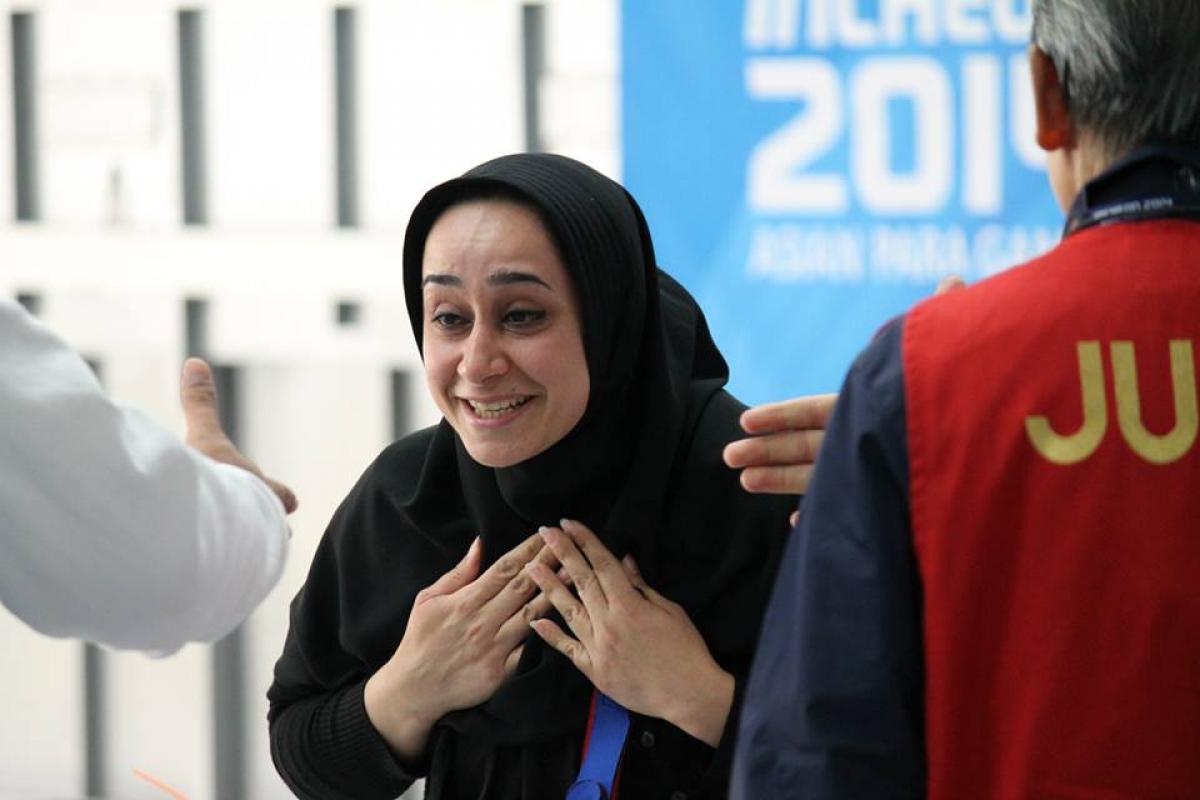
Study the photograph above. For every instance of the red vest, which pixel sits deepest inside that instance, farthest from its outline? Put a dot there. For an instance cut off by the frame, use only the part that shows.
(1055, 490)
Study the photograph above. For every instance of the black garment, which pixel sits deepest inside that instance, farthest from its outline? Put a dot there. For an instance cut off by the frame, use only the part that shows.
(643, 468)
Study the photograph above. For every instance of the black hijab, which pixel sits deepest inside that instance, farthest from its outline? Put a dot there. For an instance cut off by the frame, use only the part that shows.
(650, 358)
(652, 366)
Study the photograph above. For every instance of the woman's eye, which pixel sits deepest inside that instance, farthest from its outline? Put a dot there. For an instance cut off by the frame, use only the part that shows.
(521, 318)
(448, 320)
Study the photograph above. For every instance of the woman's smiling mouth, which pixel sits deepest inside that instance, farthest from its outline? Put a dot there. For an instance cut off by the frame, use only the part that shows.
(492, 410)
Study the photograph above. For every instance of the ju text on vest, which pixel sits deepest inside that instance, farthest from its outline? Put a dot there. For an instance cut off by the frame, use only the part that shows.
(1157, 449)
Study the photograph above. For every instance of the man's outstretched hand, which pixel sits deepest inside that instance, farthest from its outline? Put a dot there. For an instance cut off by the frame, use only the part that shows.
(198, 396)
(784, 440)
(785, 437)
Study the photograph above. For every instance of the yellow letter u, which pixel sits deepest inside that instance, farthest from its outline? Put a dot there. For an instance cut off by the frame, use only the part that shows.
(1171, 446)
(1081, 444)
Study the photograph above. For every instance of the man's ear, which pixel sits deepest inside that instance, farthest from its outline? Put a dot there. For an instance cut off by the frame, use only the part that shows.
(1055, 128)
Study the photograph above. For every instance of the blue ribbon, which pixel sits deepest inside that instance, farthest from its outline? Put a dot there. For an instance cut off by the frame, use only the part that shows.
(610, 725)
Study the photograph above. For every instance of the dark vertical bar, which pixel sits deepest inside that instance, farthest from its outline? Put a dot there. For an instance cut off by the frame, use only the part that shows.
(345, 23)
(401, 411)
(195, 335)
(24, 93)
(348, 313)
(95, 754)
(228, 654)
(95, 781)
(533, 37)
(191, 117)
(229, 730)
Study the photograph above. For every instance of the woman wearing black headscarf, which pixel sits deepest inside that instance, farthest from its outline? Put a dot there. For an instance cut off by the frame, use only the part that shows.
(577, 380)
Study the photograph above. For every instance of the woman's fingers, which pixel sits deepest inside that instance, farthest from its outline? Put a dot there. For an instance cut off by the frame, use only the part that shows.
(516, 593)
(633, 571)
(459, 576)
(639, 583)
(648, 655)
(635, 576)
(514, 658)
(608, 571)
(573, 611)
(582, 573)
(500, 574)
(553, 635)
(516, 627)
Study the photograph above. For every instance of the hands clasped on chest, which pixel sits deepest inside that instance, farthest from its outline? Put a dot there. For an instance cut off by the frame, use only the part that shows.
(466, 632)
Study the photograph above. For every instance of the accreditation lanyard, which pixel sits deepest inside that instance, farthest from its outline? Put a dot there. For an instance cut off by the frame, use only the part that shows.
(608, 724)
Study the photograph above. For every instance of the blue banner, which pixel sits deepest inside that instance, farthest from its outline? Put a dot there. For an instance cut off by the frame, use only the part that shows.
(811, 168)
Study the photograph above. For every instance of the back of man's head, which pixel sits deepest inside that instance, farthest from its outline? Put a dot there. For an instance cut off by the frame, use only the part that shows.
(1130, 68)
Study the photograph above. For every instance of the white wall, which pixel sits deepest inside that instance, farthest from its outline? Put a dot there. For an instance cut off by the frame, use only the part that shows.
(435, 105)
(108, 112)
(440, 90)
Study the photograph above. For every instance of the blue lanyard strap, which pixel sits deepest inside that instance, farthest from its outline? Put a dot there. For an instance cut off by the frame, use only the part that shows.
(607, 729)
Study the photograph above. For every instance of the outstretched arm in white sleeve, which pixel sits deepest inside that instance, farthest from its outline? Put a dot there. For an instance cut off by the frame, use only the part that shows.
(111, 530)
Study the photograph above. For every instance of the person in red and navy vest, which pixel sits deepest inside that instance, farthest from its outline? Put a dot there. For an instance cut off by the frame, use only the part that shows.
(994, 589)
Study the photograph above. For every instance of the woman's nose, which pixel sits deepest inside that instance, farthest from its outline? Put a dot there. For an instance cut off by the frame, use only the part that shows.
(483, 356)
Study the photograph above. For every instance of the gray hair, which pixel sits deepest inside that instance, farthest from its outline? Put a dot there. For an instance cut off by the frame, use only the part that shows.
(1130, 68)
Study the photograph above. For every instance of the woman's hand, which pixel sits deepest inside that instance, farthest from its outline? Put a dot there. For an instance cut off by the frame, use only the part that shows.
(633, 644)
(464, 637)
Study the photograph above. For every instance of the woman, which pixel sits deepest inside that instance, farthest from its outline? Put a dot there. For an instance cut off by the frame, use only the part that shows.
(576, 380)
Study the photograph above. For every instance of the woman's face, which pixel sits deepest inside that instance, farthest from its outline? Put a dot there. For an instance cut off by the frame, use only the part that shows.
(503, 339)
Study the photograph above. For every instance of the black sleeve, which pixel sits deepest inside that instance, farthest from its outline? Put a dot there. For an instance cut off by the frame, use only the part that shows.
(325, 748)
(834, 708)
(345, 623)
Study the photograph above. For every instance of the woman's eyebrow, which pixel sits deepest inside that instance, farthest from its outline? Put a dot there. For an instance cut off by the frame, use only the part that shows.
(503, 277)
(507, 277)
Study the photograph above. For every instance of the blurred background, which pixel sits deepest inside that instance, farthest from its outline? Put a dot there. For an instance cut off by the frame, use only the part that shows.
(232, 179)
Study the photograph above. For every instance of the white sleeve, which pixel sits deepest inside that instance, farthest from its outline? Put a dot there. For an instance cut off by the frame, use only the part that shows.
(112, 530)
